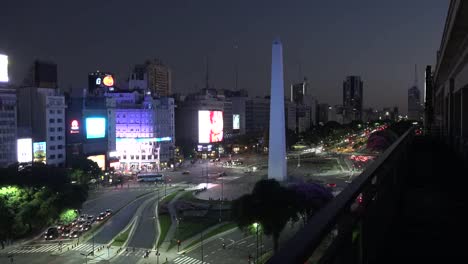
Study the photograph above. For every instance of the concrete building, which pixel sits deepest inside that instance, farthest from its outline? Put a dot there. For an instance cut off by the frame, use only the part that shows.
(153, 75)
(414, 103)
(352, 98)
(257, 115)
(188, 123)
(165, 127)
(41, 116)
(8, 125)
(42, 74)
(450, 81)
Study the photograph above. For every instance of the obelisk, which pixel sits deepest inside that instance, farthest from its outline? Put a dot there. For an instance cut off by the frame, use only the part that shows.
(277, 144)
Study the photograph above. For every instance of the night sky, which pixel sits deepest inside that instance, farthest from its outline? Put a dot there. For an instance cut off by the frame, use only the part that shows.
(323, 40)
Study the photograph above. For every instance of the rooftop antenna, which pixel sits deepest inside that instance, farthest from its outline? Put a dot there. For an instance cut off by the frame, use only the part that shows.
(207, 77)
(236, 71)
(416, 75)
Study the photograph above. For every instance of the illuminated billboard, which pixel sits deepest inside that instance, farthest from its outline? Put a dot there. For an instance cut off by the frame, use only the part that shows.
(100, 160)
(98, 80)
(236, 121)
(39, 152)
(3, 68)
(24, 150)
(95, 127)
(210, 126)
(74, 127)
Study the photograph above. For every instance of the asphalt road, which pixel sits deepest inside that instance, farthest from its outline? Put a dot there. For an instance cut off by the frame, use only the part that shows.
(145, 233)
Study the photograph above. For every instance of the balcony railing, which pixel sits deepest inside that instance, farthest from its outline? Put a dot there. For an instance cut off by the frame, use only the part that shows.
(347, 231)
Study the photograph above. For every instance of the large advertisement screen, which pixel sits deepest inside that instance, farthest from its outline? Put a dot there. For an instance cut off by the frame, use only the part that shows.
(210, 126)
(3, 68)
(100, 160)
(95, 127)
(39, 152)
(24, 150)
(235, 121)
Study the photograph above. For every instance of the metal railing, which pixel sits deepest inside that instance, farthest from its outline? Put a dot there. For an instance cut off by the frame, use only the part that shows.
(347, 231)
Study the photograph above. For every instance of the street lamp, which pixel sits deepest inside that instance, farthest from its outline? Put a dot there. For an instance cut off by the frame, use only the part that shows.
(201, 241)
(255, 225)
(222, 198)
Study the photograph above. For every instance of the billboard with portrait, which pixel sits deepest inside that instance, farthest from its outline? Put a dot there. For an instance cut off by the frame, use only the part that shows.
(95, 127)
(39, 152)
(24, 150)
(210, 126)
(235, 121)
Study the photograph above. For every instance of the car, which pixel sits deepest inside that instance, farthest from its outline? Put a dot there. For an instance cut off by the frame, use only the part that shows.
(51, 233)
(108, 212)
(217, 159)
(185, 172)
(75, 233)
(221, 174)
(101, 216)
(65, 233)
(86, 227)
(80, 224)
(90, 218)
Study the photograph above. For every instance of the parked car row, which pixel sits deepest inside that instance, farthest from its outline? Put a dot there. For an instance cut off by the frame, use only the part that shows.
(76, 228)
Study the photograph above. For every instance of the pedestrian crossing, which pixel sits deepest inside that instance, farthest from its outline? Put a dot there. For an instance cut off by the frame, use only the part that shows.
(55, 247)
(188, 260)
(130, 252)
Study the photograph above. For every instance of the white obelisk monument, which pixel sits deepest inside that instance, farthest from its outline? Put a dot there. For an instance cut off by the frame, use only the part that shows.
(277, 144)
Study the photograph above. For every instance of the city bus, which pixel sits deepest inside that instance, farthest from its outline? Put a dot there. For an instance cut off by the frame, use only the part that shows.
(150, 177)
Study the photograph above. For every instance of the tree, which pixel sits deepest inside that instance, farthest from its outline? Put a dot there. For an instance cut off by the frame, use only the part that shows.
(309, 198)
(89, 167)
(269, 204)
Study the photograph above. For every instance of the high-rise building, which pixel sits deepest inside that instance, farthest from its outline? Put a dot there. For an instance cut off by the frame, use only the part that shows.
(306, 106)
(352, 98)
(154, 76)
(42, 74)
(7, 126)
(41, 117)
(414, 100)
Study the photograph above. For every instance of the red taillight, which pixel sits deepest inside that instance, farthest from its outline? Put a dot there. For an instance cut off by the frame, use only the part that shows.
(331, 184)
(359, 198)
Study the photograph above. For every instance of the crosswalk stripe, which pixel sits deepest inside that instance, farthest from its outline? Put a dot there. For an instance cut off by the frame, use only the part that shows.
(188, 260)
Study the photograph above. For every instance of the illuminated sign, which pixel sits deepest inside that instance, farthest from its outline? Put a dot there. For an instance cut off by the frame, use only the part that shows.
(100, 160)
(143, 140)
(108, 81)
(210, 126)
(95, 127)
(100, 80)
(236, 121)
(74, 127)
(3, 68)
(39, 152)
(24, 150)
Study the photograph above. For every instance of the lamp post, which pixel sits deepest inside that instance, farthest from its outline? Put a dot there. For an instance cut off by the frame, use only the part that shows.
(299, 160)
(222, 198)
(256, 232)
(201, 239)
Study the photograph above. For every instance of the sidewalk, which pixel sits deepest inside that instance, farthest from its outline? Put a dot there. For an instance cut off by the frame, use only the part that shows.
(173, 213)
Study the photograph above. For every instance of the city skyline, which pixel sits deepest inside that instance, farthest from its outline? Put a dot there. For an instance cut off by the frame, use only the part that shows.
(379, 49)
